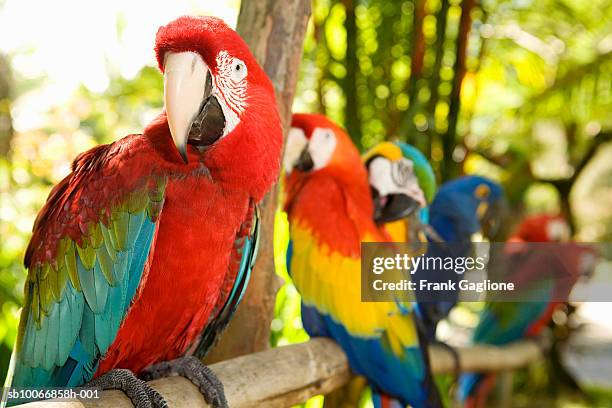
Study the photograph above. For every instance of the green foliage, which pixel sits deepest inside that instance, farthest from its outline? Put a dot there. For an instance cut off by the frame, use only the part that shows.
(124, 107)
(535, 90)
(287, 323)
(528, 106)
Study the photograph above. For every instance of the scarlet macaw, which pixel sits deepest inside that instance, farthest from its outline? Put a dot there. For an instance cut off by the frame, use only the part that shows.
(504, 322)
(143, 251)
(330, 213)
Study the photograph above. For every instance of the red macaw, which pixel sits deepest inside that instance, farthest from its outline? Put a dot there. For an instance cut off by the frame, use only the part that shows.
(142, 252)
(330, 212)
(504, 322)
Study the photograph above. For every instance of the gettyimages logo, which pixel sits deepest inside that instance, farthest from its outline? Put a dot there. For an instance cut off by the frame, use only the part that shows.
(412, 264)
(507, 272)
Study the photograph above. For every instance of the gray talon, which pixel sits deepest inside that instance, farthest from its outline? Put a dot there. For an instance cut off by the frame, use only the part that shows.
(196, 372)
(139, 392)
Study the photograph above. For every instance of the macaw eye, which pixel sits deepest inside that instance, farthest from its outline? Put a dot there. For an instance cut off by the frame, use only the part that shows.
(239, 70)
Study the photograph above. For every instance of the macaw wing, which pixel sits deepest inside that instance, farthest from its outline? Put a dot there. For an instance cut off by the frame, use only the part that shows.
(243, 259)
(505, 322)
(500, 323)
(312, 321)
(87, 255)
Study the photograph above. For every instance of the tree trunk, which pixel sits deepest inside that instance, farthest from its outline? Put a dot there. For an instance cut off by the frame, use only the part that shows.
(434, 83)
(416, 68)
(319, 53)
(449, 167)
(352, 118)
(274, 31)
(565, 186)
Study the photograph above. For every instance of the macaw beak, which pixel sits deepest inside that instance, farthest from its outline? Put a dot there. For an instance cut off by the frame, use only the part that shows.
(392, 207)
(304, 163)
(490, 220)
(194, 114)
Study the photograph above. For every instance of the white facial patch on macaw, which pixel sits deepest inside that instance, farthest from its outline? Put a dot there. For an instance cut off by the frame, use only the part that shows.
(296, 142)
(395, 177)
(230, 88)
(558, 230)
(321, 147)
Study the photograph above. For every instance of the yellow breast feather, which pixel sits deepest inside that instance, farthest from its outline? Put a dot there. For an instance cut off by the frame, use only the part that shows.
(331, 282)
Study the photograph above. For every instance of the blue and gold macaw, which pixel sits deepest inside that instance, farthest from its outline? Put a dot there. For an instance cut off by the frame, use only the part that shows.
(400, 177)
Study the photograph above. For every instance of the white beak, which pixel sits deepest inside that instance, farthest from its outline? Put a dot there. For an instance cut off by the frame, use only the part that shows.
(184, 87)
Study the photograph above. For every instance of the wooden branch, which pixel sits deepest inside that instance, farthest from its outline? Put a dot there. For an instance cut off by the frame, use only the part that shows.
(483, 358)
(289, 375)
(274, 31)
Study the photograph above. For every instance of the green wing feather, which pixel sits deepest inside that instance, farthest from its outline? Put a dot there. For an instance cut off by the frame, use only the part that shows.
(76, 299)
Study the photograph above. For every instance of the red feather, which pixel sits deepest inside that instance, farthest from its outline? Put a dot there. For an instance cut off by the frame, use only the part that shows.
(192, 261)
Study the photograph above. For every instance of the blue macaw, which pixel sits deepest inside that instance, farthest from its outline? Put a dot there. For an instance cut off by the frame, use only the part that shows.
(461, 208)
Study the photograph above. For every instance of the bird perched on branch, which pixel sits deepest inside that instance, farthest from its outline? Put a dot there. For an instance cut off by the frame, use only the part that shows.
(400, 178)
(543, 275)
(330, 213)
(461, 208)
(142, 252)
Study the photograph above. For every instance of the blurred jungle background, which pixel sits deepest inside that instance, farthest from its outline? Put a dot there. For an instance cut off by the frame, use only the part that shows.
(517, 90)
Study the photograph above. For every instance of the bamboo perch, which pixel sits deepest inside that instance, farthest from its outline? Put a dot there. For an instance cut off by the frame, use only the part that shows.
(289, 375)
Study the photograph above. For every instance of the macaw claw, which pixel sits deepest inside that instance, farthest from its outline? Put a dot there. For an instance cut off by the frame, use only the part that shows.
(139, 392)
(195, 371)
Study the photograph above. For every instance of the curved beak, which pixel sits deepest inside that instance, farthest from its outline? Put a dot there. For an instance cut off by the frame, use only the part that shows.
(304, 163)
(490, 217)
(185, 80)
(392, 207)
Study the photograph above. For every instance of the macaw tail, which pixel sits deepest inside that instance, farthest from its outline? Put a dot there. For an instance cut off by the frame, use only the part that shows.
(474, 389)
(381, 400)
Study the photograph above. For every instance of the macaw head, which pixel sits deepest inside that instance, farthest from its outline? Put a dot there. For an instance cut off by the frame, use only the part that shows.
(315, 144)
(465, 206)
(317, 147)
(220, 105)
(401, 180)
(542, 228)
(571, 259)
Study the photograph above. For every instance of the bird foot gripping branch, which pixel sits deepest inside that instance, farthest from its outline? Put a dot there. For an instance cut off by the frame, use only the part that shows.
(196, 372)
(143, 395)
(139, 392)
